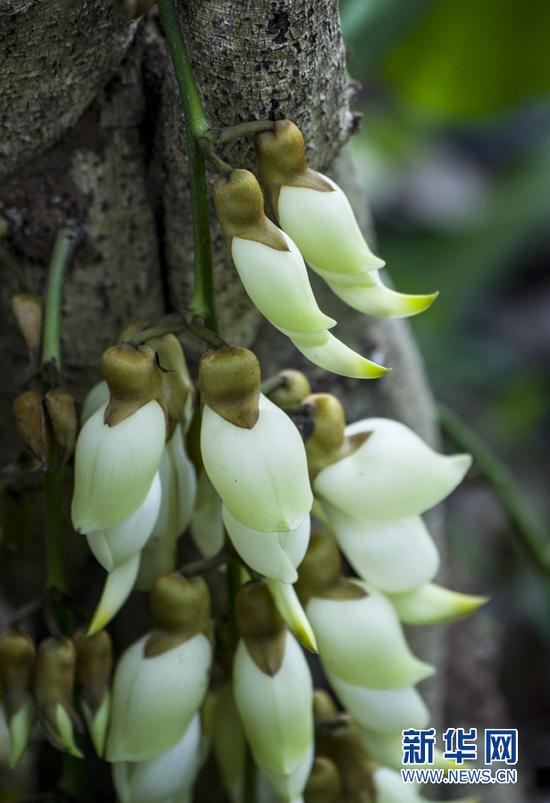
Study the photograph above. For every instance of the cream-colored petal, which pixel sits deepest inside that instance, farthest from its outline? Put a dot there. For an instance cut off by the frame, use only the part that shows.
(393, 556)
(361, 641)
(115, 466)
(95, 398)
(391, 789)
(432, 604)
(117, 544)
(394, 474)
(372, 297)
(229, 744)
(159, 780)
(289, 787)
(323, 349)
(207, 524)
(154, 699)
(289, 607)
(382, 710)
(323, 226)
(260, 473)
(118, 587)
(273, 554)
(276, 712)
(278, 285)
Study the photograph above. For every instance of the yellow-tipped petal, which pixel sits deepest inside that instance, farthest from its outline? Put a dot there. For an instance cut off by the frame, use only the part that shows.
(288, 605)
(117, 589)
(432, 604)
(323, 349)
(65, 733)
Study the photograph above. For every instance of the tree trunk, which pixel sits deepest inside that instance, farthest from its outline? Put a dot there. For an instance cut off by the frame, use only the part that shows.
(93, 138)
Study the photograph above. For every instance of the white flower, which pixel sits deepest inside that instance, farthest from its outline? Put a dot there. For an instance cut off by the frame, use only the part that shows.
(323, 349)
(117, 544)
(382, 710)
(392, 475)
(118, 587)
(260, 473)
(277, 716)
(393, 556)
(161, 779)
(323, 226)
(275, 554)
(431, 604)
(179, 484)
(361, 641)
(115, 466)
(155, 698)
(207, 524)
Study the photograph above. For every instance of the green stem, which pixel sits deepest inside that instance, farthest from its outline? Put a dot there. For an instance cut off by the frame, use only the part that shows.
(528, 529)
(273, 383)
(56, 570)
(193, 325)
(197, 126)
(222, 558)
(230, 133)
(63, 248)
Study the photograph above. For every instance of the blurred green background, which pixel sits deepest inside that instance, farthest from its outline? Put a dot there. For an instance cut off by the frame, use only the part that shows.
(454, 154)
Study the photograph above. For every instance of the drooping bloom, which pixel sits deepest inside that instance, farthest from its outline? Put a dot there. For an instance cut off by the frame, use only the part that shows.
(17, 659)
(166, 778)
(251, 450)
(160, 681)
(274, 275)
(314, 211)
(116, 590)
(431, 604)
(273, 693)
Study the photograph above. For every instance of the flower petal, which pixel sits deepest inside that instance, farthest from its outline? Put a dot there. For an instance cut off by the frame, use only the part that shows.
(154, 699)
(115, 466)
(394, 474)
(95, 398)
(207, 524)
(431, 604)
(382, 710)
(361, 642)
(118, 587)
(323, 226)
(278, 285)
(289, 607)
(117, 544)
(323, 349)
(393, 556)
(273, 554)
(260, 473)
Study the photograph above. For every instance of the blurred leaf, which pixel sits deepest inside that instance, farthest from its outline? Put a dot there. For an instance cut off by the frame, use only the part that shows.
(472, 58)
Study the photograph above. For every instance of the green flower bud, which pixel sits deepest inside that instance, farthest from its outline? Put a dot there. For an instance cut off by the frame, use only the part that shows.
(229, 381)
(27, 309)
(53, 692)
(31, 424)
(93, 667)
(324, 784)
(133, 377)
(177, 391)
(17, 658)
(293, 389)
(61, 411)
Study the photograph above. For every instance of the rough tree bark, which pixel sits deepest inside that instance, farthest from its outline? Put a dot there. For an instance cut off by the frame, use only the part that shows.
(92, 136)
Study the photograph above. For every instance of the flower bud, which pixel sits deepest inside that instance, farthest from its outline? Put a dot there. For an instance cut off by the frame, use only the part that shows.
(160, 681)
(275, 554)
(165, 778)
(394, 474)
(314, 211)
(393, 556)
(275, 278)
(115, 466)
(117, 544)
(273, 693)
(118, 587)
(289, 607)
(260, 473)
(178, 483)
(95, 398)
(293, 389)
(31, 424)
(27, 309)
(328, 442)
(133, 377)
(207, 529)
(61, 411)
(431, 604)
(17, 657)
(177, 391)
(53, 692)
(229, 744)
(324, 785)
(94, 663)
(229, 381)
